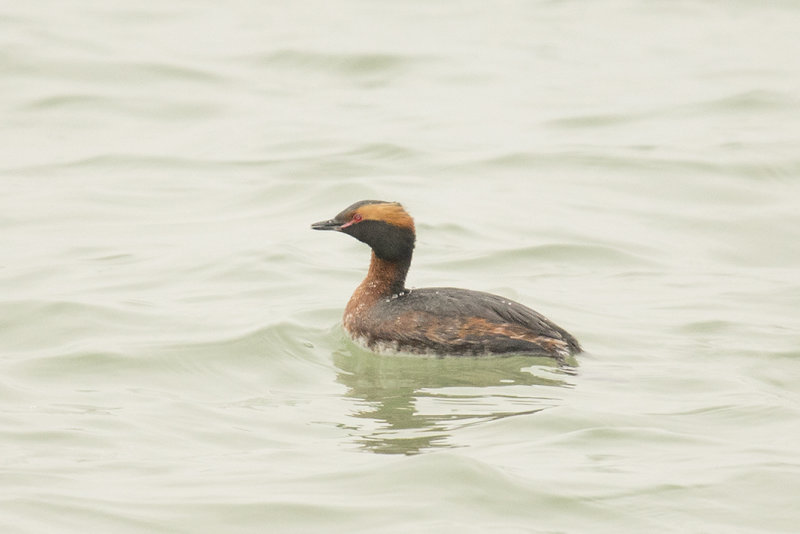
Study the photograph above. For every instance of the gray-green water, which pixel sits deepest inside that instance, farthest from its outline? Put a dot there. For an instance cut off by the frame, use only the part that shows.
(171, 358)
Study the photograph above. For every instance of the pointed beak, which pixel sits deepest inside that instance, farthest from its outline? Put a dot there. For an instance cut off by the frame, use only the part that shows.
(330, 224)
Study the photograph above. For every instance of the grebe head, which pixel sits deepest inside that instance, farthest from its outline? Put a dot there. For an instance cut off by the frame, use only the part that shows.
(384, 226)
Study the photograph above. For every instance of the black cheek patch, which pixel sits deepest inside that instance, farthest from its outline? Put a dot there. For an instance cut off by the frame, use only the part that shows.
(390, 242)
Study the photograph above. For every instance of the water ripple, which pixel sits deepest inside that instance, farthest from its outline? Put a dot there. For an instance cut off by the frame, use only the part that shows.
(340, 63)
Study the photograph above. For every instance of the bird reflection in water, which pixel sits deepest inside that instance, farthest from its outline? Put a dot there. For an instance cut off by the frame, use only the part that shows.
(410, 404)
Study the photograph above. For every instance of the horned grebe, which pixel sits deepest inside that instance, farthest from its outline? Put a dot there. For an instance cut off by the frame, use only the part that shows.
(385, 316)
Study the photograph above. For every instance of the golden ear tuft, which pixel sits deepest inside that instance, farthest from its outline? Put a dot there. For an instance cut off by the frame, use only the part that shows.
(389, 212)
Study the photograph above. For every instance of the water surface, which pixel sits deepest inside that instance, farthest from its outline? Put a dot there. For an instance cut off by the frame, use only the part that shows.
(171, 355)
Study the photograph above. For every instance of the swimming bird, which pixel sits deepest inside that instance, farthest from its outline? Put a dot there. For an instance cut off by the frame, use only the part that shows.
(384, 316)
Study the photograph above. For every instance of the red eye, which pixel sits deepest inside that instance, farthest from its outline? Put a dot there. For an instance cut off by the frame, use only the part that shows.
(354, 219)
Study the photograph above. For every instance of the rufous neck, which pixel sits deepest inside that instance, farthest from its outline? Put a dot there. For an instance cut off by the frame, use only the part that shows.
(386, 277)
